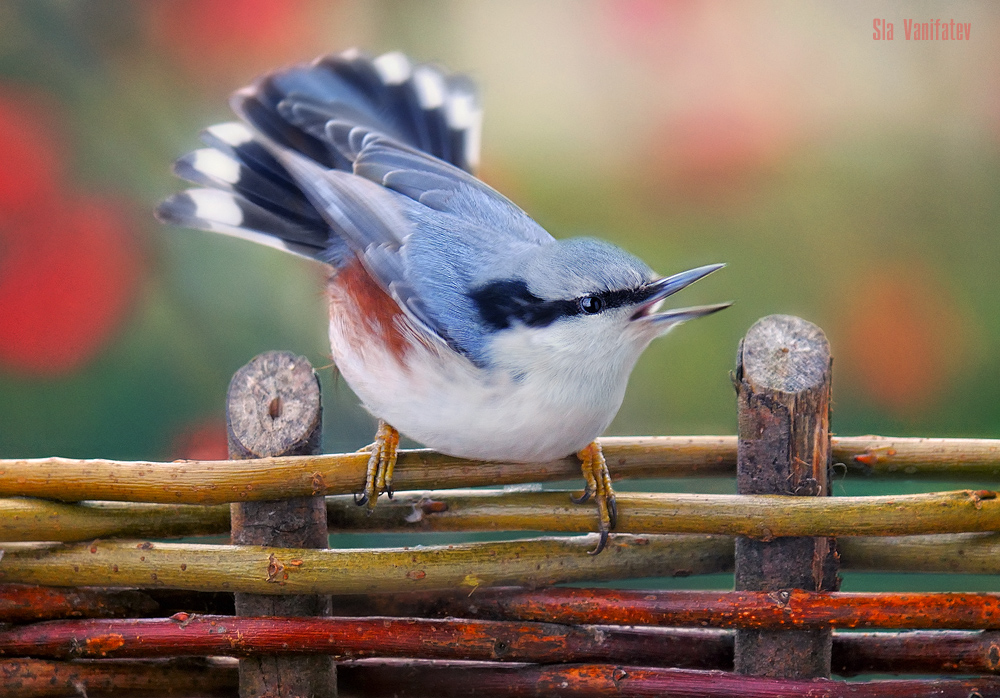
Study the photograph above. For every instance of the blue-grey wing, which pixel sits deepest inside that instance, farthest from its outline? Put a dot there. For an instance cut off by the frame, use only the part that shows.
(424, 229)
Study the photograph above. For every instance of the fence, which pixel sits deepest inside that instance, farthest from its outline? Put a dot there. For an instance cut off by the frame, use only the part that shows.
(94, 602)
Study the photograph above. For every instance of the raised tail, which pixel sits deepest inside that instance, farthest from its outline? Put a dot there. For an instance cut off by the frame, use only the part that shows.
(246, 192)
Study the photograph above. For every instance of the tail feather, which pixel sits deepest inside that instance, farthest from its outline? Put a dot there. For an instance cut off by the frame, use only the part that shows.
(218, 211)
(254, 105)
(237, 141)
(212, 168)
(318, 110)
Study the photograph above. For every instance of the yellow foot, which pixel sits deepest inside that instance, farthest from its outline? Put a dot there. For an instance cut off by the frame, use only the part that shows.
(380, 466)
(598, 486)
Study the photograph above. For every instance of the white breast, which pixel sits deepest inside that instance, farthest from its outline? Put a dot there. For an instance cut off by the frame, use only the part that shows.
(445, 402)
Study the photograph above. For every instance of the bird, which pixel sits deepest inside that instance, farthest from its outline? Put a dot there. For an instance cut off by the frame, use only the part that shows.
(454, 317)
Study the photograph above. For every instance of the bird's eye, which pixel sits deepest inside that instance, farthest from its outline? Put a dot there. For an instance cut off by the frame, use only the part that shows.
(591, 304)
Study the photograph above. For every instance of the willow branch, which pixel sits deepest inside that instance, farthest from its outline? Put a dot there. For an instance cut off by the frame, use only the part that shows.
(962, 553)
(757, 516)
(309, 571)
(216, 482)
(27, 519)
(538, 562)
(888, 456)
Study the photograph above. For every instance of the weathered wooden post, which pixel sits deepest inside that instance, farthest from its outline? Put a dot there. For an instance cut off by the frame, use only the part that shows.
(274, 409)
(783, 386)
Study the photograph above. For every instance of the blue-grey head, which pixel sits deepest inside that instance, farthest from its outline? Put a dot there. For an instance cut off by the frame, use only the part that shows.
(579, 308)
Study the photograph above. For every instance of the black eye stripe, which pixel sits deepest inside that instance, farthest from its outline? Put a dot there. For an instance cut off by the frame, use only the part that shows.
(627, 296)
(501, 303)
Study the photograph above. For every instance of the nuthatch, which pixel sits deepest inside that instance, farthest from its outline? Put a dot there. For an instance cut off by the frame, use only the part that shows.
(454, 317)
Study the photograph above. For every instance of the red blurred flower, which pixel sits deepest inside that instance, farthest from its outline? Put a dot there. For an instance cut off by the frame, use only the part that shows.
(220, 37)
(68, 265)
(204, 440)
(722, 142)
(650, 29)
(715, 154)
(67, 275)
(903, 338)
(30, 154)
(722, 114)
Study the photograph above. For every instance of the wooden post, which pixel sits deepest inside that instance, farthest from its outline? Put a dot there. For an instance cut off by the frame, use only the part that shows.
(274, 409)
(783, 386)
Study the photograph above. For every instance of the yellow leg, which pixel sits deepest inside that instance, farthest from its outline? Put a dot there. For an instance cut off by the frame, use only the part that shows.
(598, 486)
(381, 463)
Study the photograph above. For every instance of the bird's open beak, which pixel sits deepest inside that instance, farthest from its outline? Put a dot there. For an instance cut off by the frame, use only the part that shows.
(661, 288)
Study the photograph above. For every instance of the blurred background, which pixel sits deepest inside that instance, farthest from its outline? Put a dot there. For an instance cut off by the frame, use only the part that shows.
(844, 179)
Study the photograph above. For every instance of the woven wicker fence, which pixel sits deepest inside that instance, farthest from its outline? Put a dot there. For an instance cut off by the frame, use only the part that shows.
(95, 600)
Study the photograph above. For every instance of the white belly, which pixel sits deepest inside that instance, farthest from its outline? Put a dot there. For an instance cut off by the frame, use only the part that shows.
(448, 404)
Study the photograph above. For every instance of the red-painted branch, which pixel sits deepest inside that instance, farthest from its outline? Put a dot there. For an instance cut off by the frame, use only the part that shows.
(35, 678)
(483, 640)
(345, 638)
(720, 609)
(627, 681)
(941, 652)
(24, 603)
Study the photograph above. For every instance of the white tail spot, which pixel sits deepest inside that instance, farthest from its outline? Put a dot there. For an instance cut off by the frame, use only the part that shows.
(430, 87)
(231, 133)
(218, 165)
(394, 68)
(216, 206)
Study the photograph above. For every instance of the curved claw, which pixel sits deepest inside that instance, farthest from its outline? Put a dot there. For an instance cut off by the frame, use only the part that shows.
(600, 544)
(612, 512)
(381, 462)
(582, 498)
